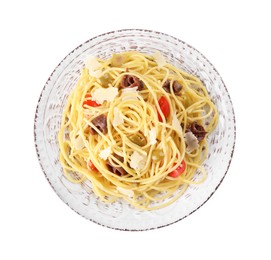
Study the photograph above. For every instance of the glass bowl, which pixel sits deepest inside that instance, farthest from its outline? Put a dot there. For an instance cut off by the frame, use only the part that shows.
(81, 198)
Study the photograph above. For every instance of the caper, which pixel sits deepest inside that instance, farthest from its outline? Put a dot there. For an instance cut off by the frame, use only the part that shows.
(118, 60)
(105, 79)
(138, 140)
(157, 155)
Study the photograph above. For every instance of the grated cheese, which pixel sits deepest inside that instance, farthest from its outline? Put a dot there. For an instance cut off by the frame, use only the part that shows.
(129, 93)
(118, 118)
(104, 154)
(104, 94)
(138, 161)
(152, 135)
(79, 143)
(176, 124)
(126, 192)
(159, 59)
(191, 141)
(93, 65)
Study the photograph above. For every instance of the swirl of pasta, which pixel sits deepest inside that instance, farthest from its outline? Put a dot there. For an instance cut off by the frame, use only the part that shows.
(142, 149)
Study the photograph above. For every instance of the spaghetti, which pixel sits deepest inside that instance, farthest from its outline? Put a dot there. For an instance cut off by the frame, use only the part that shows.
(136, 127)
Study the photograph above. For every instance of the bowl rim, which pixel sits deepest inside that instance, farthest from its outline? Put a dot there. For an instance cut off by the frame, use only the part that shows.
(110, 33)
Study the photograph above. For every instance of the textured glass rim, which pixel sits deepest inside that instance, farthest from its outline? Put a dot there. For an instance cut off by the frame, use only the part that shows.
(134, 30)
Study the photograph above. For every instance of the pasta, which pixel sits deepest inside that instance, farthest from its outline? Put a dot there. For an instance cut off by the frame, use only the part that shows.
(136, 127)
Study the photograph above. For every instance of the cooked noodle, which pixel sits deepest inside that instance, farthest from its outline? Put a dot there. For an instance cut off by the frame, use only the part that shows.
(158, 146)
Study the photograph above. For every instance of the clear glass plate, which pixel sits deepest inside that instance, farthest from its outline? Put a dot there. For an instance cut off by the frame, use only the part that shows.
(52, 101)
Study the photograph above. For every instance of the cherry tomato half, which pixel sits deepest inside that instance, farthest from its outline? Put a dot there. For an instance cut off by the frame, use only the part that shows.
(88, 101)
(92, 166)
(179, 170)
(165, 108)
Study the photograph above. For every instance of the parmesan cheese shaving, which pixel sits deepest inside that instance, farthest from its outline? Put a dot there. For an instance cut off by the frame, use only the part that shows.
(118, 118)
(129, 94)
(93, 65)
(105, 153)
(176, 124)
(191, 141)
(104, 94)
(138, 161)
(79, 143)
(126, 192)
(159, 59)
(152, 135)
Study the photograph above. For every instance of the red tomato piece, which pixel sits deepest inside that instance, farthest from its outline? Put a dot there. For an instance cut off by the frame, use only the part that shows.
(92, 166)
(165, 108)
(179, 170)
(90, 102)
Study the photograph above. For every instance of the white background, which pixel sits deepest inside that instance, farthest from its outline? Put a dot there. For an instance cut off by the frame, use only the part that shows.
(37, 35)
